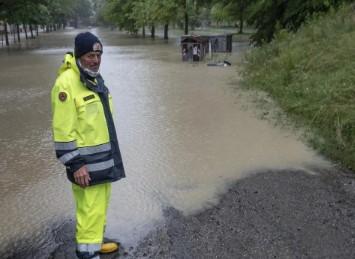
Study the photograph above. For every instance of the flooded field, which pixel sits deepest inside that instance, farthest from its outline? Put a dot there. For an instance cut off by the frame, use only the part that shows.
(182, 129)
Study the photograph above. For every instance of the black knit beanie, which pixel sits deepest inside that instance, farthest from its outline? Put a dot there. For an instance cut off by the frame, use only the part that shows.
(86, 42)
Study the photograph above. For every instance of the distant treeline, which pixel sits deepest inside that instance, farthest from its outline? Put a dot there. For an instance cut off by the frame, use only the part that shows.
(29, 15)
(265, 16)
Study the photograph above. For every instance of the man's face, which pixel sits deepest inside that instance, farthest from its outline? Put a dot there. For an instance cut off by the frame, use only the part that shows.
(91, 60)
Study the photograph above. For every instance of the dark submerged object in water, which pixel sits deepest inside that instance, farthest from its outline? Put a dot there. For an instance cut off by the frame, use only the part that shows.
(225, 63)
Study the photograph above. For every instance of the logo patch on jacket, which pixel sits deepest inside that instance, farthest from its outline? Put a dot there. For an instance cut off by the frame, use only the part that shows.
(89, 97)
(62, 96)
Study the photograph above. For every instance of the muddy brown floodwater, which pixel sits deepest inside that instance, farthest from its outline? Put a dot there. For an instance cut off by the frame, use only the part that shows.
(183, 129)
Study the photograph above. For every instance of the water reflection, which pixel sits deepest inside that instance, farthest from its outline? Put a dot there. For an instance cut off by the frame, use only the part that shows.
(183, 133)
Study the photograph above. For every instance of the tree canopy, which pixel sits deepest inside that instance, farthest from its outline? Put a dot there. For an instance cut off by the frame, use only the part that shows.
(265, 16)
(269, 16)
(44, 11)
(133, 15)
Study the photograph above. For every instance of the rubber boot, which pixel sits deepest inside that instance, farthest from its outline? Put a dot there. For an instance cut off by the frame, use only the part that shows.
(109, 247)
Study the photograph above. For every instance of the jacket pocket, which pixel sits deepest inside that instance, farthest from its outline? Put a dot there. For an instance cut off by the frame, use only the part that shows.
(87, 105)
(92, 126)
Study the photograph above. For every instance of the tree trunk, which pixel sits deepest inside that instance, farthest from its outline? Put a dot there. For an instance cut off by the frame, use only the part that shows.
(241, 22)
(76, 22)
(186, 19)
(6, 35)
(152, 32)
(166, 30)
(31, 29)
(25, 28)
(37, 30)
(186, 23)
(18, 32)
(13, 33)
(143, 31)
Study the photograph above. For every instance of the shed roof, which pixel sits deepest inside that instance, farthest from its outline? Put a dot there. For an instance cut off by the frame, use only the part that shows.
(194, 39)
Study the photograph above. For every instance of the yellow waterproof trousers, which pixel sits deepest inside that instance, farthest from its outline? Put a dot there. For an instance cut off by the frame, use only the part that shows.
(91, 207)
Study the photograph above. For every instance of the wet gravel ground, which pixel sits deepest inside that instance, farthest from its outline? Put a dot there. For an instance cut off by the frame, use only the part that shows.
(284, 214)
(273, 214)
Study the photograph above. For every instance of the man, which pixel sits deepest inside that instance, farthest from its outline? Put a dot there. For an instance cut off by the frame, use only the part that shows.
(86, 142)
(195, 53)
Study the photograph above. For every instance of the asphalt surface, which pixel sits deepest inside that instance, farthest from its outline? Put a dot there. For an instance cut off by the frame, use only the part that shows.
(272, 214)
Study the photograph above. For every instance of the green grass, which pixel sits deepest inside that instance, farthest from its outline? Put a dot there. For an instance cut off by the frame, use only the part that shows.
(311, 76)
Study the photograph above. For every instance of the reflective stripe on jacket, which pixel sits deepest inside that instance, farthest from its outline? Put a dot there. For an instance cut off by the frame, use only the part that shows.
(83, 128)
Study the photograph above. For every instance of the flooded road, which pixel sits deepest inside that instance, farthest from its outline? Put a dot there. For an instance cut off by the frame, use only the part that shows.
(183, 131)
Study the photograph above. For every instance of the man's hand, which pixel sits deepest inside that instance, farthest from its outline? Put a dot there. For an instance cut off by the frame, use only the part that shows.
(82, 177)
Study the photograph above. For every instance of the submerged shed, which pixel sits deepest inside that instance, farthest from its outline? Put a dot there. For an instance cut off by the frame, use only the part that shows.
(221, 43)
(195, 48)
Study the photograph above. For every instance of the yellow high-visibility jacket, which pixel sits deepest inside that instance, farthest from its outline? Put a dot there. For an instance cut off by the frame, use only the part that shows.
(83, 128)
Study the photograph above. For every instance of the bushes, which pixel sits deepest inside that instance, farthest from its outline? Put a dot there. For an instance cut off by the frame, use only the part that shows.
(311, 75)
